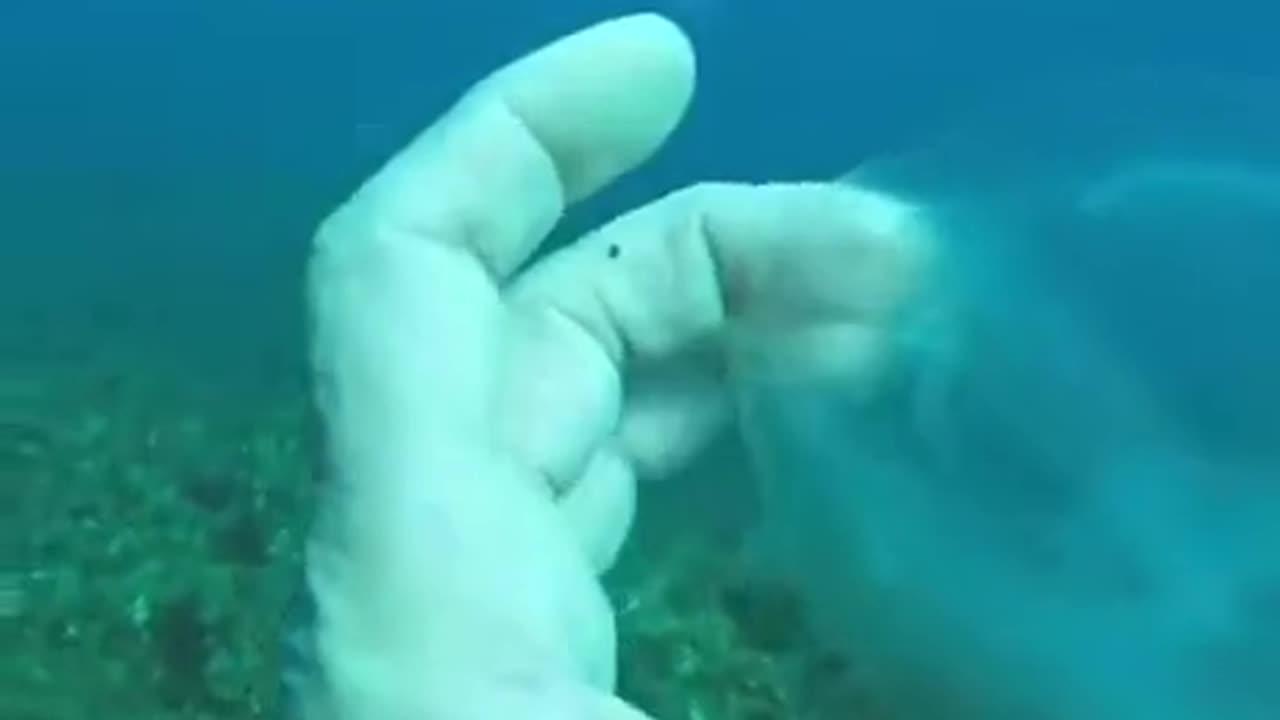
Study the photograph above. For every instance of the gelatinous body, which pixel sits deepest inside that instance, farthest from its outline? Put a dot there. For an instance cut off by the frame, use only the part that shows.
(1066, 504)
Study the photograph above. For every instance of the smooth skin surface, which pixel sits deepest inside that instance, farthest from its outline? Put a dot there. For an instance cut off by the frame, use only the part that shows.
(486, 429)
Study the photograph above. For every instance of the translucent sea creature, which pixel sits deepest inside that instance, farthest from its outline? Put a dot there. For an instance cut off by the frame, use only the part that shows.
(1067, 504)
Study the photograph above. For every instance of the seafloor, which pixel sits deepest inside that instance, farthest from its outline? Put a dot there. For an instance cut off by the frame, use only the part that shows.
(158, 519)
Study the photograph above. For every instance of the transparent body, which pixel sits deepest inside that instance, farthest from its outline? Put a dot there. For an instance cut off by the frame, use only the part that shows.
(1066, 503)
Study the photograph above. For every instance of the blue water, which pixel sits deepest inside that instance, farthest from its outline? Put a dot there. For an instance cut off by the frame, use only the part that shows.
(163, 163)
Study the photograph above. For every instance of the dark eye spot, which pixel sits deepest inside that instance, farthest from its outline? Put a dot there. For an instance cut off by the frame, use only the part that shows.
(614, 251)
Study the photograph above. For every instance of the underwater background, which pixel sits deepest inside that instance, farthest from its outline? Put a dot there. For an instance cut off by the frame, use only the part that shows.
(162, 165)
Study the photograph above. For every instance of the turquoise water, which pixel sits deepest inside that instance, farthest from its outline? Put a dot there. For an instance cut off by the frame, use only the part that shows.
(1063, 507)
